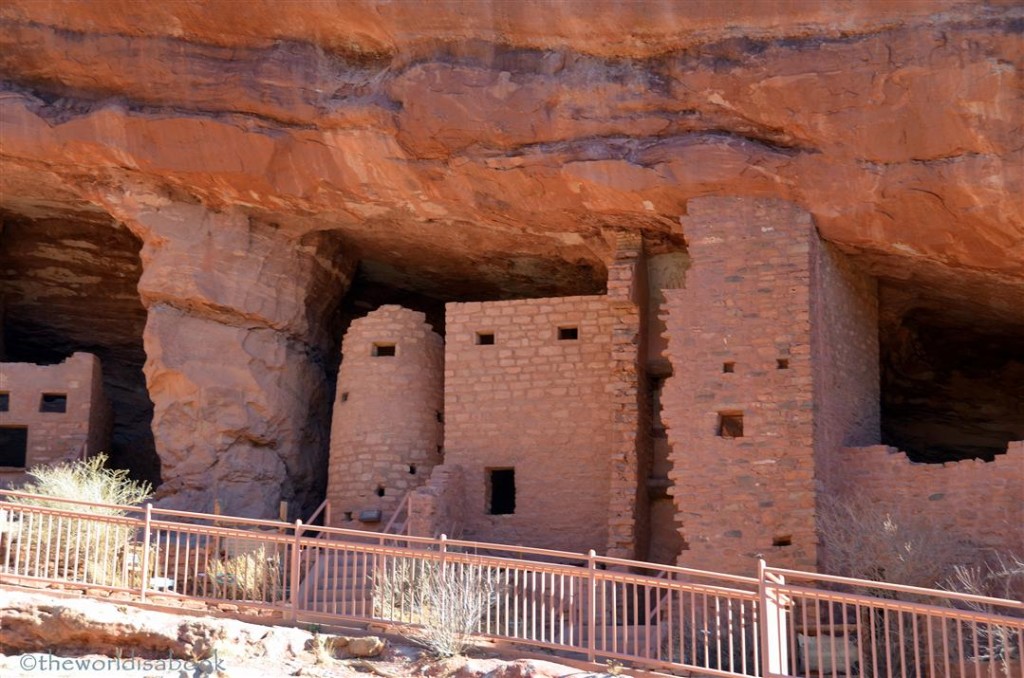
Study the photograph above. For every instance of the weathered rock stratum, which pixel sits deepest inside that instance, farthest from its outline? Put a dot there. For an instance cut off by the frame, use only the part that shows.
(190, 189)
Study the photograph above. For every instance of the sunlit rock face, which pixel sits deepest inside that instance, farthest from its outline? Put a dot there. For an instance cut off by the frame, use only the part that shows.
(245, 162)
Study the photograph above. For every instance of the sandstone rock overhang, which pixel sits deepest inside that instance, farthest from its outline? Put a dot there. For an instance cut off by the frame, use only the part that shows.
(232, 173)
(503, 141)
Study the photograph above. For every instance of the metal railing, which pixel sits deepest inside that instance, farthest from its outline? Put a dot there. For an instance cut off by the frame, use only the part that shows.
(839, 626)
(400, 517)
(779, 623)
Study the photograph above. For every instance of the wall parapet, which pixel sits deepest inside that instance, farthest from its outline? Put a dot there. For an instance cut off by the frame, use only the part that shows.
(982, 502)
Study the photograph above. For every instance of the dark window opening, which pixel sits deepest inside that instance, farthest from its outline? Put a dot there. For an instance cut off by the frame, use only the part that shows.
(784, 540)
(383, 350)
(782, 363)
(5, 402)
(380, 491)
(412, 469)
(348, 516)
(485, 338)
(568, 333)
(53, 402)
(440, 417)
(728, 368)
(344, 397)
(13, 446)
(730, 425)
(501, 491)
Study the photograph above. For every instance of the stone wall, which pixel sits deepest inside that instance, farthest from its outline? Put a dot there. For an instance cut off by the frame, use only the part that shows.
(536, 404)
(739, 342)
(83, 429)
(437, 507)
(628, 301)
(844, 346)
(387, 428)
(977, 501)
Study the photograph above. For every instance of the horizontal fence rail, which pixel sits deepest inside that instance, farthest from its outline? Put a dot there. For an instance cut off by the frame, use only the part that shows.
(779, 623)
(844, 627)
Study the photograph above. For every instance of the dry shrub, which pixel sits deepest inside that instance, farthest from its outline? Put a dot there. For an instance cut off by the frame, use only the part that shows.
(999, 576)
(445, 601)
(95, 547)
(865, 540)
(84, 480)
(253, 576)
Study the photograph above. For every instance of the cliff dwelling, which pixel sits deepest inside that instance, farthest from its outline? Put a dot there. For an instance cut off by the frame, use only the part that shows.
(654, 294)
(51, 414)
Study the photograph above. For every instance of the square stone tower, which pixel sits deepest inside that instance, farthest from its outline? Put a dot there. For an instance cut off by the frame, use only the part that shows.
(773, 343)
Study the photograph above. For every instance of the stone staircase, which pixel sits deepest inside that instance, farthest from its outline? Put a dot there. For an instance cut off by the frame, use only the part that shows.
(339, 583)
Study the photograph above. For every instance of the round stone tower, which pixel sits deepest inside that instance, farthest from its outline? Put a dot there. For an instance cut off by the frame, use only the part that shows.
(387, 427)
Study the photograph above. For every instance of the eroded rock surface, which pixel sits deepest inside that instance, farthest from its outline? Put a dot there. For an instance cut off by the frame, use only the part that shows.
(40, 630)
(75, 626)
(258, 155)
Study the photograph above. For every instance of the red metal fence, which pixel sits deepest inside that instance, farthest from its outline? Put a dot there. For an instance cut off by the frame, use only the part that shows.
(778, 623)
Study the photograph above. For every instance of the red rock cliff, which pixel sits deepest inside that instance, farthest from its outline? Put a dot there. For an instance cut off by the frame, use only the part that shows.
(461, 150)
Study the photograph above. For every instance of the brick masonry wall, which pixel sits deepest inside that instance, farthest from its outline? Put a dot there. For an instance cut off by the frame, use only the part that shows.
(628, 300)
(387, 414)
(973, 500)
(538, 405)
(53, 436)
(437, 507)
(844, 346)
(746, 301)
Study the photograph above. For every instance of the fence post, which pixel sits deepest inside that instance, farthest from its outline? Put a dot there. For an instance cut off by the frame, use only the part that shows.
(145, 551)
(592, 607)
(296, 548)
(774, 648)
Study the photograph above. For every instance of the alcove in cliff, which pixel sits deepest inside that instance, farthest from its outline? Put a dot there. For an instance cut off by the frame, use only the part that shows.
(68, 282)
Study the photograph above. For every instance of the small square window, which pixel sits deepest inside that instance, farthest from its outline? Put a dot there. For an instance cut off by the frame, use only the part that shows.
(782, 364)
(728, 368)
(568, 333)
(5, 402)
(383, 350)
(501, 491)
(53, 402)
(344, 396)
(730, 424)
(485, 338)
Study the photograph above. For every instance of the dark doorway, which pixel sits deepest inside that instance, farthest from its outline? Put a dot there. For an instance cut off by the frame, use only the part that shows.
(501, 498)
(13, 444)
